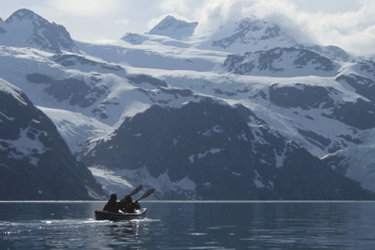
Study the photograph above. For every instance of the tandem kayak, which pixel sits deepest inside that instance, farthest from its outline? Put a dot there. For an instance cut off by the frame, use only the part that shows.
(104, 215)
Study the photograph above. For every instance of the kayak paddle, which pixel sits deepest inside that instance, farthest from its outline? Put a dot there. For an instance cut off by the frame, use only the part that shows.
(147, 193)
(135, 191)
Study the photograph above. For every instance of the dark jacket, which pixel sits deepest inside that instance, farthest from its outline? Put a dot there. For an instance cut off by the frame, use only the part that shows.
(128, 206)
(111, 205)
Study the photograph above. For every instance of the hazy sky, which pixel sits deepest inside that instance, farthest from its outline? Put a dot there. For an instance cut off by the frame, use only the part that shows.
(346, 23)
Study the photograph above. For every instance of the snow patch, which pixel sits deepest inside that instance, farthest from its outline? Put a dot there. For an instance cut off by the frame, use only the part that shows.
(258, 180)
(111, 182)
(193, 158)
(76, 128)
(280, 158)
(216, 129)
(25, 147)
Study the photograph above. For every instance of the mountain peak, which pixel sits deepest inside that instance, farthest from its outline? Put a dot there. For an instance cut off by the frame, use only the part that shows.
(249, 34)
(24, 28)
(174, 28)
(170, 18)
(134, 38)
(24, 14)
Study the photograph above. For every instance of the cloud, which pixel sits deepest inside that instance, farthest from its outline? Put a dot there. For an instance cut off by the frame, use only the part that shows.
(352, 30)
(122, 22)
(86, 7)
(174, 6)
(180, 7)
(214, 13)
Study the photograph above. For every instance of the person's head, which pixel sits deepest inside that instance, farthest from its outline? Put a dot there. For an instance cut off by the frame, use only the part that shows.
(113, 197)
(128, 198)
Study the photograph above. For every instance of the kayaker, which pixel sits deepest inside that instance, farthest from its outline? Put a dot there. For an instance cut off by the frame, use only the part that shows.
(111, 205)
(128, 206)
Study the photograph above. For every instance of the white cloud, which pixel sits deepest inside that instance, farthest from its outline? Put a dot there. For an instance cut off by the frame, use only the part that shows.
(182, 7)
(352, 30)
(122, 22)
(214, 13)
(86, 7)
(174, 6)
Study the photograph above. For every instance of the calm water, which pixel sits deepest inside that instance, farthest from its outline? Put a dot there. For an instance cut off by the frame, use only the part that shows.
(190, 226)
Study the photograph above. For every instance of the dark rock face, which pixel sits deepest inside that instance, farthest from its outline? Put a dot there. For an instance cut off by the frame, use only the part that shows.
(226, 151)
(78, 92)
(358, 114)
(310, 177)
(362, 85)
(302, 96)
(147, 79)
(35, 162)
(289, 61)
(71, 60)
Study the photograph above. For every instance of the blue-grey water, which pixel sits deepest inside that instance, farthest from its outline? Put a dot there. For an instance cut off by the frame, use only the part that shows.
(184, 225)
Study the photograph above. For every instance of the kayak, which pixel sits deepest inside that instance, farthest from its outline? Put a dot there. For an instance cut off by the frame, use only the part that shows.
(104, 215)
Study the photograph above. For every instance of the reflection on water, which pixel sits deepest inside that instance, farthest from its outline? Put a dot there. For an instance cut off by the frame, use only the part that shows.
(190, 226)
(121, 234)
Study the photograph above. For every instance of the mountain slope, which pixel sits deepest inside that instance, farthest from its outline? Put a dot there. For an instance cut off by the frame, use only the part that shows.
(282, 62)
(35, 162)
(218, 152)
(109, 92)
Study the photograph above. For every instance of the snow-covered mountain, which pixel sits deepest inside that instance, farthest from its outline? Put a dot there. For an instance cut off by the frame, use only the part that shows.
(35, 162)
(210, 150)
(24, 28)
(174, 28)
(248, 34)
(170, 31)
(245, 35)
(195, 121)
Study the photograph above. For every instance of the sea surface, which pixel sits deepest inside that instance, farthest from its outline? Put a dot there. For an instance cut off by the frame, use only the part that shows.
(187, 225)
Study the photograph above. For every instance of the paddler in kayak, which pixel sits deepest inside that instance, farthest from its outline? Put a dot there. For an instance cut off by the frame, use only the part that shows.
(112, 205)
(128, 206)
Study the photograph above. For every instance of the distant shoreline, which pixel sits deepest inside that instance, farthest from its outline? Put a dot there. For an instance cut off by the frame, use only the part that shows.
(197, 201)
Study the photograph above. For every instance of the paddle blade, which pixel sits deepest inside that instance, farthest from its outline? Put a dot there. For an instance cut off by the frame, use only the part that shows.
(136, 190)
(147, 193)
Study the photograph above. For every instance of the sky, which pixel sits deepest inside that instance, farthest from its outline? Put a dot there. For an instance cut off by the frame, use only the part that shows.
(345, 23)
